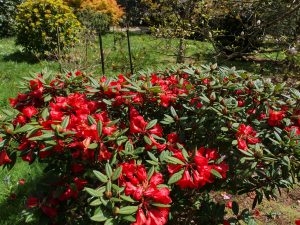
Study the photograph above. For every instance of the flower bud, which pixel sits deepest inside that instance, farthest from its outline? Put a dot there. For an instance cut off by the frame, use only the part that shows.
(212, 97)
(225, 111)
(259, 153)
(108, 194)
(116, 210)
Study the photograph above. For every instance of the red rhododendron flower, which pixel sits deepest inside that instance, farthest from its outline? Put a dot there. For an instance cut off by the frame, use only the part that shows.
(275, 117)
(77, 168)
(80, 183)
(49, 211)
(297, 222)
(225, 222)
(198, 172)
(29, 111)
(229, 204)
(32, 202)
(294, 129)
(134, 178)
(137, 122)
(13, 196)
(21, 181)
(4, 158)
(246, 135)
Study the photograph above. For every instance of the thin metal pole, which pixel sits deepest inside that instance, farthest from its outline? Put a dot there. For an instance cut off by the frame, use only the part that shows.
(86, 46)
(129, 49)
(58, 49)
(101, 51)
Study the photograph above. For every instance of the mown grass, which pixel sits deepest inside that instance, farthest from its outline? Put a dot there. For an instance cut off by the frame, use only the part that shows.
(147, 52)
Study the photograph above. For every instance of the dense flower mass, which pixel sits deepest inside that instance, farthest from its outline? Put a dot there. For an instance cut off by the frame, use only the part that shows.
(197, 172)
(134, 147)
(246, 135)
(146, 191)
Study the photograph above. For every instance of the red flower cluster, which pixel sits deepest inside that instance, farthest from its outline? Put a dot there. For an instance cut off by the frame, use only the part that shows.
(197, 173)
(138, 126)
(146, 191)
(246, 135)
(4, 158)
(275, 117)
(170, 88)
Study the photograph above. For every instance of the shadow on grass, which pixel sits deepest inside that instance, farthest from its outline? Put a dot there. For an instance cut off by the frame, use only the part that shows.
(268, 68)
(20, 57)
(14, 202)
(11, 208)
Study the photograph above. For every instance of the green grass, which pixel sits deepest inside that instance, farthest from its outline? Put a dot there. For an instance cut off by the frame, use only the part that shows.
(14, 65)
(147, 51)
(11, 208)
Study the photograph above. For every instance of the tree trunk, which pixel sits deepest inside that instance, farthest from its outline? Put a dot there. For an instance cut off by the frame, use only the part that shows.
(180, 54)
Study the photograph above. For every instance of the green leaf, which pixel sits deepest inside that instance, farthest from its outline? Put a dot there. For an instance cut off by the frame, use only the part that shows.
(45, 113)
(94, 82)
(161, 205)
(93, 146)
(173, 112)
(108, 170)
(91, 120)
(26, 127)
(277, 136)
(128, 147)
(65, 122)
(93, 192)
(47, 98)
(235, 208)
(99, 217)
(129, 218)
(147, 140)
(152, 162)
(216, 173)
(96, 202)
(163, 156)
(176, 177)
(117, 173)
(150, 172)
(42, 137)
(100, 176)
(174, 160)
(110, 221)
(127, 198)
(152, 156)
(251, 222)
(108, 186)
(99, 128)
(128, 210)
(151, 124)
(225, 129)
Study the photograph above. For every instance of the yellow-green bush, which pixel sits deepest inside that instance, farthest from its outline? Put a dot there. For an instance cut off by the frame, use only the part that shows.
(40, 21)
(107, 7)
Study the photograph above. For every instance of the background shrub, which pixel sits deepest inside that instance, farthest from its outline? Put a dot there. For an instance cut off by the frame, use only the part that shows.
(108, 7)
(94, 20)
(38, 22)
(8, 10)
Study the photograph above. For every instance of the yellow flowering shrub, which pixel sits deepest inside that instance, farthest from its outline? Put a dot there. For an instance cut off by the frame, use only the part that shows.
(39, 22)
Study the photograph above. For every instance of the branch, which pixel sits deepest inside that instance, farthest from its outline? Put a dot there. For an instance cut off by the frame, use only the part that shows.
(288, 13)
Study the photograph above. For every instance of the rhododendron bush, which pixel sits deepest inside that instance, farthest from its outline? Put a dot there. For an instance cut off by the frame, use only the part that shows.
(147, 149)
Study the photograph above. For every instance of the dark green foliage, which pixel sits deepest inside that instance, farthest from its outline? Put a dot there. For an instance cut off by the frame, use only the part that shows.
(236, 32)
(94, 20)
(8, 10)
(135, 11)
